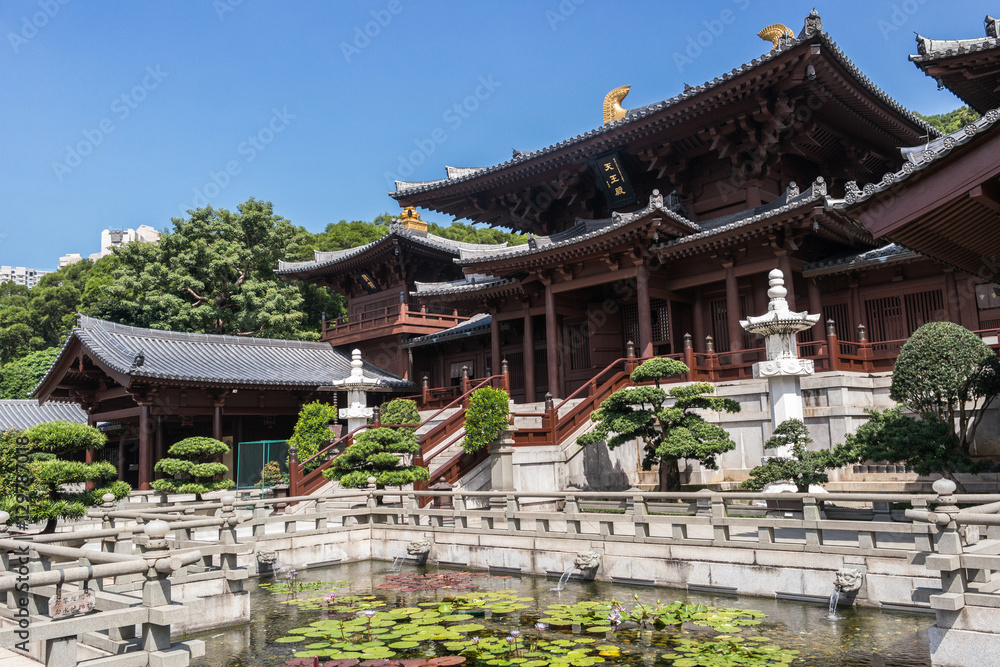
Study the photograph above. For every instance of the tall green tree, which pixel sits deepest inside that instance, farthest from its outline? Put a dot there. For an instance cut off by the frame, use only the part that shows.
(214, 273)
(953, 121)
(19, 377)
(663, 421)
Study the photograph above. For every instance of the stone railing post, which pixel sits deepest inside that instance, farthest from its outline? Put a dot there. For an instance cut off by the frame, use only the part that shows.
(107, 521)
(639, 513)
(572, 511)
(510, 513)
(372, 503)
(947, 560)
(720, 531)
(810, 521)
(461, 519)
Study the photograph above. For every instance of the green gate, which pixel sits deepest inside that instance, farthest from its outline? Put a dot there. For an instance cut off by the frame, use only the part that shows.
(253, 456)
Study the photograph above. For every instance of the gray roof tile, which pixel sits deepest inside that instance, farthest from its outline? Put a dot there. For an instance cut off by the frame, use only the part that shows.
(407, 188)
(217, 360)
(324, 259)
(918, 158)
(474, 326)
(26, 413)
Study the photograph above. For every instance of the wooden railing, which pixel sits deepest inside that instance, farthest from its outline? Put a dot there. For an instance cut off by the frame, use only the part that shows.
(401, 314)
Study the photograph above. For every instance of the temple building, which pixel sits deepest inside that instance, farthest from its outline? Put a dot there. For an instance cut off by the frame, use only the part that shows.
(652, 234)
(664, 223)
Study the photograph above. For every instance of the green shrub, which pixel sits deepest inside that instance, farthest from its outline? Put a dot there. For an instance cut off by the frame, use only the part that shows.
(399, 411)
(668, 433)
(925, 445)
(312, 432)
(33, 475)
(188, 458)
(941, 370)
(657, 369)
(485, 418)
(802, 469)
(378, 453)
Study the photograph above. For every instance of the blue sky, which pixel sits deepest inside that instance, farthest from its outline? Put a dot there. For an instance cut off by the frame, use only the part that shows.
(120, 113)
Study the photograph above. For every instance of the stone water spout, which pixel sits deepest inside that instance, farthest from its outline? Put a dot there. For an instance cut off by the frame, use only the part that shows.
(847, 580)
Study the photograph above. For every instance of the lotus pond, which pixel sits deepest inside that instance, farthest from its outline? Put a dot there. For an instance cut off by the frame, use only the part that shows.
(363, 614)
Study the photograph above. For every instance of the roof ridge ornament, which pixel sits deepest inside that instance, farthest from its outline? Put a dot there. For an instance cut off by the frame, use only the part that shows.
(992, 26)
(409, 218)
(812, 25)
(775, 33)
(613, 104)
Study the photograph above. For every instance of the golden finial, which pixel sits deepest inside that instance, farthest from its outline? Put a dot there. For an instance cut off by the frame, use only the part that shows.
(774, 33)
(410, 218)
(613, 104)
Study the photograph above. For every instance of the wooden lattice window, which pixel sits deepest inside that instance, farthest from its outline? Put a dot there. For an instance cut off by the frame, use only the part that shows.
(659, 315)
(515, 367)
(896, 317)
(841, 315)
(578, 342)
(720, 323)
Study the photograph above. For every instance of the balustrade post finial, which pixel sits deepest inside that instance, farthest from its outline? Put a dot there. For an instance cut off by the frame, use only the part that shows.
(688, 344)
(709, 344)
(862, 333)
(630, 350)
(830, 329)
(376, 416)
(549, 405)
(425, 381)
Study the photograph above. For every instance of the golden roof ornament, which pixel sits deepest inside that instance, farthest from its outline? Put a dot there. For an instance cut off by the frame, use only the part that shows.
(774, 33)
(613, 104)
(410, 218)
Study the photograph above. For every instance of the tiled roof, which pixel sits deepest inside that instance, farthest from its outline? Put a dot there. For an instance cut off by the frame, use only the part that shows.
(217, 360)
(27, 413)
(935, 49)
(583, 231)
(406, 188)
(786, 202)
(471, 283)
(474, 326)
(856, 260)
(918, 158)
(324, 259)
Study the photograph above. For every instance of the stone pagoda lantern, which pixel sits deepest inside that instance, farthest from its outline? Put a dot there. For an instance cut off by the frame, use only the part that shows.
(783, 367)
(357, 413)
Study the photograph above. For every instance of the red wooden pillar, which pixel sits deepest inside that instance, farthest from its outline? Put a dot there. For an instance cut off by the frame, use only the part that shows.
(529, 358)
(733, 310)
(832, 348)
(551, 340)
(699, 320)
(145, 460)
(952, 305)
(495, 343)
(645, 316)
(160, 444)
(217, 421)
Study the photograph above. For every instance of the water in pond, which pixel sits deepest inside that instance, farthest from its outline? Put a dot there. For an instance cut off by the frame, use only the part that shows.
(859, 637)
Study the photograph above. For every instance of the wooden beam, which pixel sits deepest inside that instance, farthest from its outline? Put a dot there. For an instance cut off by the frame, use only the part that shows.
(114, 415)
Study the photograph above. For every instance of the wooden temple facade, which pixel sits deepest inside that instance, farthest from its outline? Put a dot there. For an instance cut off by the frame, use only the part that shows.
(659, 229)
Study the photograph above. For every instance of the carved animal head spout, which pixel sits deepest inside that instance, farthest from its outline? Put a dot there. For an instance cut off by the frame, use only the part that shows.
(418, 548)
(613, 104)
(849, 580)
(774, 33)
(587, 560)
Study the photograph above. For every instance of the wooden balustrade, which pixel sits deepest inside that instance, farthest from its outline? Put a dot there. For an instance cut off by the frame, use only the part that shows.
(375, 322)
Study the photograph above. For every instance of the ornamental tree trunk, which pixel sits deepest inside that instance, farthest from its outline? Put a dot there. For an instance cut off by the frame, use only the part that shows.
(670, 475)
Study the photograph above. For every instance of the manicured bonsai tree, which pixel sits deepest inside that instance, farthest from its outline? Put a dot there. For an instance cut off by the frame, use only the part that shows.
(191, 469)
(924, 444)
(485, 418)
(399, 411)
(37, 464)
(380, 453)
(312, 432)
(949, 372)
(802, 469)
(668, 432)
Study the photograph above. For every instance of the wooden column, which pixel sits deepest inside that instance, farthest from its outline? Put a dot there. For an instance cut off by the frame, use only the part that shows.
(495, 343)
(733, 309)
(529, 358)
(145, 458)
(816, 306)
(645, 316)
(160, 444)
(217, 421)
(551, 340)
(856, 305)
(952, 306)
(121, 457)
(698, 326)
